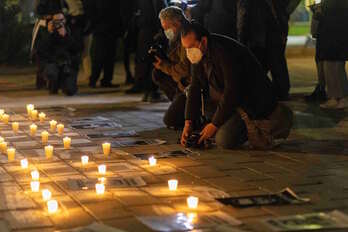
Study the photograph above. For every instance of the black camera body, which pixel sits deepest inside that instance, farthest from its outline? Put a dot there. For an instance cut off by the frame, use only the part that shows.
(57, 24)
(155, 50)
(192, 141)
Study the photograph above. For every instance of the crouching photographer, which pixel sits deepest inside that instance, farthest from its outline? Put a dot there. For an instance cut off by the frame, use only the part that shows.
(172, 74)
(57, 50)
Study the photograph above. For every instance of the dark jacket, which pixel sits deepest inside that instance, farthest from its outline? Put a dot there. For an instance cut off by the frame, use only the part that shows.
(233, 72)
(56, 49)
(148, 11)
(218, 16)
(333, 31)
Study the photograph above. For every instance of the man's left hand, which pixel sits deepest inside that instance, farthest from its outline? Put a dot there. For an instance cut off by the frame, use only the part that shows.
(157, 63)
(208, 132)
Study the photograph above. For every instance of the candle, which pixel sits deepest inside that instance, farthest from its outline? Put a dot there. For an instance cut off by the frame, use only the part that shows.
(106, 148)
(15, 127)
(102, 169)
(11, 153)
(2, 111)
(172, 185)
(5, 118)
(102, 180)
(24, 163)
(42, 117)
(30, 107)
(100, 188)
(35, 175)
(33, 129)
(34, 114)
(35, 186)
(46, 194)
(44, 137)
(152, 161)
(3, 147)
(67, 142)
(52, 206)
(192, 202)
(49, 151)
(60, 129)
(2, 139)
(53, 125)
(84, 160)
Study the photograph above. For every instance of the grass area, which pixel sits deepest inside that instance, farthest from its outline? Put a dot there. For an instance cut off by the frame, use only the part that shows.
(299, 29)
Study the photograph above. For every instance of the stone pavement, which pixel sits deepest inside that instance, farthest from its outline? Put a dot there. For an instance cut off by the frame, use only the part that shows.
(313, 163)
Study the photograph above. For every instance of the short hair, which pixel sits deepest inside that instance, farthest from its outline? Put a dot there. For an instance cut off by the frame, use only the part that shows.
(173, 13)
(196, 28)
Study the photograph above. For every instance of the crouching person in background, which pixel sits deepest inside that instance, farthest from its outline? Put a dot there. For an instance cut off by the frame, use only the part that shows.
(57, 51)
(239, 101)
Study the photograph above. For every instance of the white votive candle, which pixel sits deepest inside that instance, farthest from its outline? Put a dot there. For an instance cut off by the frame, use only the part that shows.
(100, 188)
(60, 129)
(34, 115)
(152, 161)
(11, 153)
(192, 202)
(53, 126)
(42, 117)
(30, 107)
(3, 147)
(33, 129)
(106, 148)
(35, 186)
(49, 151)
(44, 137)
(84, 159)
(52, 206)
(15, 127)
(173, 185)
(102, 169)
(24, 163)
(46, 194)
(5, 118)
(67, 142)
(35, 175)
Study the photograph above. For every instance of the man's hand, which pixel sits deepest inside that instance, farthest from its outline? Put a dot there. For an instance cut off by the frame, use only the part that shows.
(208, 132)
(50, 27)
(186, 133)
(158, 62)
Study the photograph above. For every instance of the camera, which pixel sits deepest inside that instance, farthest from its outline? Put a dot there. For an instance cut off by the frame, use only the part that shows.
(156, 49)
(57, 24)
(192, 141)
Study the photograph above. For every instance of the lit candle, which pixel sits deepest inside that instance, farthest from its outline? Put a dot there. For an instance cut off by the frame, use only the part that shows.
(35, 175)
(152, 161)
(100, 188)
(35, 186)
(24, 163)
(42, 117)
(102, 169)
(102, 180)
(106, 148)
(2, 139)
(67, 142)
(53, 125)
(3, 147)
(33, 129)
(11, 153)
(15, 127)
(5, 118)
(46, 194)
(44, 137)
(192, 202)
(2, 111)
(60, 129)
(52, 206)
(30, 107)
(84, 160)
(34, 114)
(172, 185)
(49, 151)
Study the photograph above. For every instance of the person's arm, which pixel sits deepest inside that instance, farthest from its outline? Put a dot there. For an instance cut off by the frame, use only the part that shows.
(176, 70)
(232, 74)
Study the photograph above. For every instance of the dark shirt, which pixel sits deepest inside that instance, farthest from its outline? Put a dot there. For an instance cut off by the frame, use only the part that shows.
(232, 74)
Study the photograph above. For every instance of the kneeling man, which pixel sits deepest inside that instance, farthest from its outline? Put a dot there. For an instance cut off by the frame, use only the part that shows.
(238, 96)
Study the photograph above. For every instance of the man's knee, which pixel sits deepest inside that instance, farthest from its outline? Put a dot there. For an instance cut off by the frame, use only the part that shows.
(173, 121)
(225, 141)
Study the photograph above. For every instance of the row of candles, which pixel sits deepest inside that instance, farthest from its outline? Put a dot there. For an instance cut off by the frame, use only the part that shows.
(52, 205)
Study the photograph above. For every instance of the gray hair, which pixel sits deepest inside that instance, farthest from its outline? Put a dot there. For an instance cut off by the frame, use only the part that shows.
(173, 13)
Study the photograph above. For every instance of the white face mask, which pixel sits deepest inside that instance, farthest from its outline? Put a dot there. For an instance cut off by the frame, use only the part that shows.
(194, 55)
(170, 34)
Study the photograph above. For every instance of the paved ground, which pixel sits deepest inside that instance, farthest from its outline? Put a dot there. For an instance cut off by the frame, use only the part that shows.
(313, 163)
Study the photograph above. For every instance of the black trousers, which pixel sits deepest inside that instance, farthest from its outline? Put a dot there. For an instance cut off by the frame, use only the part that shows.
(103, 58)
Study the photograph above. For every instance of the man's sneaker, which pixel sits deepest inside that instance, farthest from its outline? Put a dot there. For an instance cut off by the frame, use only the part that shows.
(330, 104)
(156, 97)
(342, 103)
(318, 95)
